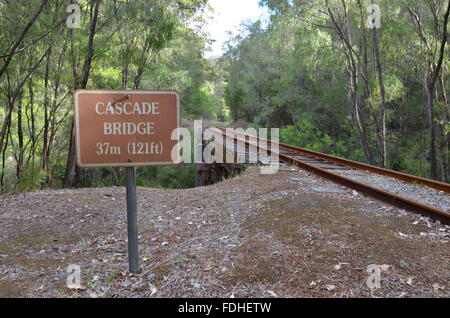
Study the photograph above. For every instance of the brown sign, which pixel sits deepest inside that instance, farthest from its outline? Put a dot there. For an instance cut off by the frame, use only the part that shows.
(122, 128)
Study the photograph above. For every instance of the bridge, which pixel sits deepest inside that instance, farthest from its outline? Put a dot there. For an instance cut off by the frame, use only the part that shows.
(421, 195)
(317, 228)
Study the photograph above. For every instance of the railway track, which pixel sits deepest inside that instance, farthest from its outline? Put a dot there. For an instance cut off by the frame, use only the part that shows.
(351, 174)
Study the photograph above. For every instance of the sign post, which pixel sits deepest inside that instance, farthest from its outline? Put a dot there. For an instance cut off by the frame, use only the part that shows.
(126, 128)
(133, 255)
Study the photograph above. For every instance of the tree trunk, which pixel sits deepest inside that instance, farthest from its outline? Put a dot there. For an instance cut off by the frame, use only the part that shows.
(31, 128)
(362, 134)
(70, 165)
(19, 166)
(5, 128)
(70, 158)
(382, 99)
(44, 164)
(341, 26)
(430, 90)
(445, 138)
(2, 176)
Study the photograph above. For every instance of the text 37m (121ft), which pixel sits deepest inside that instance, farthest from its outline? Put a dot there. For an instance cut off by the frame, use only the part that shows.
(134, 148)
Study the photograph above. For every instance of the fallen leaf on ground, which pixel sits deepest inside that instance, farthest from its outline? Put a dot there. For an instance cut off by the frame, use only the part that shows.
(82, 287)
(339, 266)
(272, 293)
(438, 287)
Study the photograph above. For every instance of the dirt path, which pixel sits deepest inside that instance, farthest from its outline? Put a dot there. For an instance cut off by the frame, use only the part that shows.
(285, 235)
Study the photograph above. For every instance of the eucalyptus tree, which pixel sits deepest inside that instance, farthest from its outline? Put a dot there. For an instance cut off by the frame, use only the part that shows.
(142, 28)
(43, 60)
(430, 19)
(328, 66)
(38, 36)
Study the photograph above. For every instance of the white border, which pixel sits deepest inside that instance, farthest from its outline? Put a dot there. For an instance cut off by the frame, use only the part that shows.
(131, 92)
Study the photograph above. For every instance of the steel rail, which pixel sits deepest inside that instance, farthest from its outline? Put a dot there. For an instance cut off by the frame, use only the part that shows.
(387, 197)
(441, 186)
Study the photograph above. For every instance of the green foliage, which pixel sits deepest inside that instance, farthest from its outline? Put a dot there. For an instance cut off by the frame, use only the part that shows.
(174, 177)
(411, 158)
(293, 72)
(137, 44)
(224, 113)
(200, 102)
(296, 73)
(307, 136)
(31, 179)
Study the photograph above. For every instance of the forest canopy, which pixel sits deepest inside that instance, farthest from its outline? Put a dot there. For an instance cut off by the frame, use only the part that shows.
(323, 71)
(341, 84)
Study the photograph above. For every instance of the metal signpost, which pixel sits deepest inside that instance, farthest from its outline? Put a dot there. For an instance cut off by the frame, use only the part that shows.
(126, 128)
(133, 257)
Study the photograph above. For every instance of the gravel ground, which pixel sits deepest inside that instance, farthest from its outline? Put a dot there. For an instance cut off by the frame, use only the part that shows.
(285, 235)
(420, 193)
